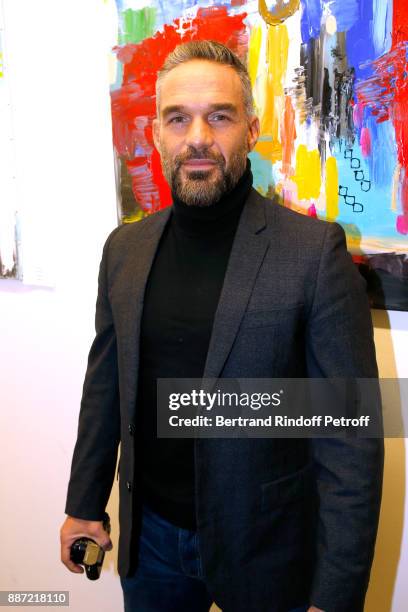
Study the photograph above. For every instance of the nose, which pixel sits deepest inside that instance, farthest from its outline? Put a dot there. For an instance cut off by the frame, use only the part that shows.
(199, 133)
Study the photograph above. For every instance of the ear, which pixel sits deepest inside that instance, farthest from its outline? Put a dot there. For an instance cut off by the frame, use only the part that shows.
(254, 130)
(156, 133)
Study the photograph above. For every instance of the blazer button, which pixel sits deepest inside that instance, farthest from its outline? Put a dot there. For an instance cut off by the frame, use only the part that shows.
(129, 485)
(131, 429)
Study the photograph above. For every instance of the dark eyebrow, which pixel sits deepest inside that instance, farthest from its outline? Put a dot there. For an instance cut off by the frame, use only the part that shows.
(224, 107)
(179, 108)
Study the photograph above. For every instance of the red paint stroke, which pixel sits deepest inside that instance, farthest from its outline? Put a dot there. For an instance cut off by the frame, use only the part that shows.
(386, 93)
(311, 211)
(365, 142)
(134, 103)
(399, 22)
(359, 259)
(288, 137)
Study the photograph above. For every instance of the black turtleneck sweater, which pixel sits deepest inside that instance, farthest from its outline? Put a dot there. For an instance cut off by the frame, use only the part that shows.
(181, 298)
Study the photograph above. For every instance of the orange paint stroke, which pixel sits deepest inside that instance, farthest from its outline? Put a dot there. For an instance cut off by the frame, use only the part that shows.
(288, 137)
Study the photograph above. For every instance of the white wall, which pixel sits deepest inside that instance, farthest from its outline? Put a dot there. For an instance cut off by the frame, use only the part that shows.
(59, 64)
(58, 60)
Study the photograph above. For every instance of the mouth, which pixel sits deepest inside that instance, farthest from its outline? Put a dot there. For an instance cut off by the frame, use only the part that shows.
(199, 164)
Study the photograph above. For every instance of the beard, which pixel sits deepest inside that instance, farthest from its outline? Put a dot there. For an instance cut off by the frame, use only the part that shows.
(203, 187)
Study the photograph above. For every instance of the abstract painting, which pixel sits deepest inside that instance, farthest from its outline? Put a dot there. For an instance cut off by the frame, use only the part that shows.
(330, 83)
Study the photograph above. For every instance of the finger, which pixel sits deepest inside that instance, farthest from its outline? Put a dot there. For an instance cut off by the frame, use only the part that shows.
(76, 569)
(110, 546)
(66, 560)
(105, 544)
(101, 538)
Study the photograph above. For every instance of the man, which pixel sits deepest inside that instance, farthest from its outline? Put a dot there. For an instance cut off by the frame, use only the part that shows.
(224, 284)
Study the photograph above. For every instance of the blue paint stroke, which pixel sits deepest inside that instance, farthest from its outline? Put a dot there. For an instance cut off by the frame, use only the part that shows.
(376, 202)
(346, 13)
(359, 42)
(311, 19)
(383, 159)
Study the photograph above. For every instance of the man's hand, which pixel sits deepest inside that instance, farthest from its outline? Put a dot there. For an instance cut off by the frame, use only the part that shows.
(73, 529)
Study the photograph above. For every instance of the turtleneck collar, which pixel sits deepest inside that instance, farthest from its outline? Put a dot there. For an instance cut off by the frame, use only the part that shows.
(218, 218)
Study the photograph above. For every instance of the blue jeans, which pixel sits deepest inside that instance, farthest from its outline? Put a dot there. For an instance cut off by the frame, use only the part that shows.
(169, 576)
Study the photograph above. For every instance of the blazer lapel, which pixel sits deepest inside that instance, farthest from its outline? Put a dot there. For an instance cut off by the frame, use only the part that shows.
(145, 247)
(141, 254)
(247, 253)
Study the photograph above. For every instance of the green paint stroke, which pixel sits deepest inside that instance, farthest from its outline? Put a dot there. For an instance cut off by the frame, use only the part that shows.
(137, 25)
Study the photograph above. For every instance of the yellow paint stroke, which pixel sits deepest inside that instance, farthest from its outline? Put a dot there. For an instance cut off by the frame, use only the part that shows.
(395, 188)
(281, 11)
(277, 57)
(308, 174)
(271, 76)
(254, 49)
(1, 65)
(332, 189)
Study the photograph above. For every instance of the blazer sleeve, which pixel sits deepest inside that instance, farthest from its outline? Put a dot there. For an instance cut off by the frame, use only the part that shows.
(348, 471)
(95, 453)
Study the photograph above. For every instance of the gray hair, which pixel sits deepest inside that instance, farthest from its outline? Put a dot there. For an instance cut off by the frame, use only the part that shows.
(211, 51)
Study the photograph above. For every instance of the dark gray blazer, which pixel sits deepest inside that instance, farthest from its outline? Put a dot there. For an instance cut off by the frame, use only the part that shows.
(281, 522)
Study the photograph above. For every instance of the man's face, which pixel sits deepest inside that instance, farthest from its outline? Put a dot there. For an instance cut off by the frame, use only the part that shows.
(202, 132)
